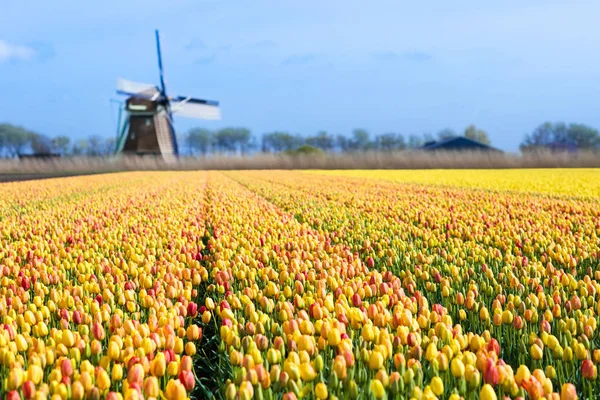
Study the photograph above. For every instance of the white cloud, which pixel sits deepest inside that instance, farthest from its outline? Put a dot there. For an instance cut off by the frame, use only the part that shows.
(15, 52)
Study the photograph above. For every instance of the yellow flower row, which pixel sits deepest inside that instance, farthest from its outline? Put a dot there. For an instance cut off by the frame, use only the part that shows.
(571, 182)
(296, 285)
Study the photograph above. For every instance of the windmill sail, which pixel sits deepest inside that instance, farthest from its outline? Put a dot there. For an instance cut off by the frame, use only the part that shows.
(196, 108)
(138, 89)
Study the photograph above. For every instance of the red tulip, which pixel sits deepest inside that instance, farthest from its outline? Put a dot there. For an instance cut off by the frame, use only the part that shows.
(66, 368)
(490, 375)
(192, 309)
(518, 323)
(224, 304)
(132, 361)
(13, 395)
(337, 292)
(370, 262)
(411, 339)
(28, 390)
(545, 326)
(98, 331)
(169, 355)
(10, 330)
(356, 300)
(188, 380)
(77, 317)
(494, 346)
(589, 370)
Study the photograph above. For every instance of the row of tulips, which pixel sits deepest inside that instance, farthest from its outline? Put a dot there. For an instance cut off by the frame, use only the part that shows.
(122, 286)
(534, 295)
(99, 280)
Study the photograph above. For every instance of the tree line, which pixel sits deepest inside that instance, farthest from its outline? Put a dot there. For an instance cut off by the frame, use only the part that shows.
(561, 136)
(200, 141)
(15, 140)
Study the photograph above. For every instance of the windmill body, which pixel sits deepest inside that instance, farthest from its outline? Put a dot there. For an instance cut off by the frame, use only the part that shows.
(147, 128)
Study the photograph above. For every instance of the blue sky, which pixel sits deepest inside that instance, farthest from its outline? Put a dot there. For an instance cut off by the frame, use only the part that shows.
(303, 66)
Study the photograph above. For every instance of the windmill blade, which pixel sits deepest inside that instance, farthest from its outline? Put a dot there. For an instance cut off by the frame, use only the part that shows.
(130, 88)
(163, 90)
(195, 108)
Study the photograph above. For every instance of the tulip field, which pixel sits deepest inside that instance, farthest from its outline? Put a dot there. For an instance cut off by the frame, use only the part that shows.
(301, 284)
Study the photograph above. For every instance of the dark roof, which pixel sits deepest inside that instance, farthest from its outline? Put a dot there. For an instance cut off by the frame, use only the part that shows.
(458, 143)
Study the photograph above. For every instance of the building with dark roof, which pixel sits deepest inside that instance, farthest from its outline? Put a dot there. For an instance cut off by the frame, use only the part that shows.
(458, 143)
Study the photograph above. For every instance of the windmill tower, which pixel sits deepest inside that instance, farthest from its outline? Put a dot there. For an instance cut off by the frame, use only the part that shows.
(147, 126)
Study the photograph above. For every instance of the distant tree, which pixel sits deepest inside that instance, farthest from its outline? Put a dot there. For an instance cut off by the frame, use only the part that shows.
(342, 143)
(60, 144)
(108, 146)
(583, 136)
(541, 136)
(94, 147)
(360, 140)
(446, 133)
(80, 147)
(199, 140)
(4, 137)
(479, 135)
(400, 142)
(548, 133)
(428, 137)
(280, 141)
(233, 140)
(225, 140)
(243, 138)
(254, 144)
(2, 141)
(40, 144)
(321, 140)
(415, 141)
(15, 139)
(390, 142)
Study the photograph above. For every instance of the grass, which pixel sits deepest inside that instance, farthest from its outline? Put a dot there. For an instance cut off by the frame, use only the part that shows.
(14, 169)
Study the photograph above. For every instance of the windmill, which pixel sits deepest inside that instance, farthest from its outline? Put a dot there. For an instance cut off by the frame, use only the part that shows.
(147, 127)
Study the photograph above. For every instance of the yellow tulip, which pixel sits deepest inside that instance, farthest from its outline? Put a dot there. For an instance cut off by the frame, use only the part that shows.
(307, 372)
(377, 389)
(321, 391)
(376, 360)
(457, 367)
(437, 386)
(117, 373)
(487, 393)
(102, 380)
(175, 390)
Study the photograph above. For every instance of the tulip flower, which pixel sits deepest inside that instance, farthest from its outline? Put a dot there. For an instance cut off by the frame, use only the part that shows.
(317, 285)
(568, 392)
(589, 370)
(487, 393)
